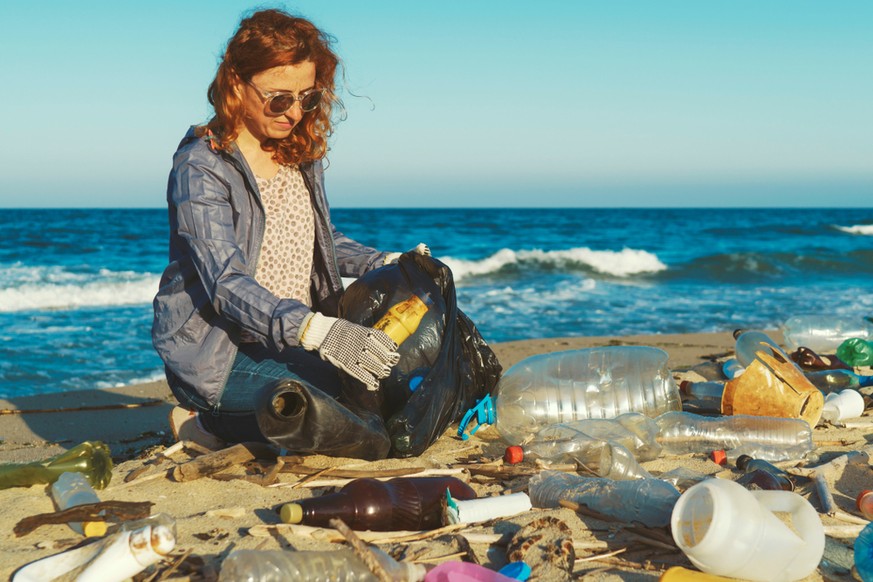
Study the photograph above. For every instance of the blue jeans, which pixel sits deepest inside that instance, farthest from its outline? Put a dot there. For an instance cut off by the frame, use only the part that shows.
(234, 419)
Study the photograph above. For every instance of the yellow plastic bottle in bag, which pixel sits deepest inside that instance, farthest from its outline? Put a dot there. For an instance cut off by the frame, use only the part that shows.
(403, 318)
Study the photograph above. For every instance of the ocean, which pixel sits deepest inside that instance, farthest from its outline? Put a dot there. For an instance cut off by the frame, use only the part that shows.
(76, 285)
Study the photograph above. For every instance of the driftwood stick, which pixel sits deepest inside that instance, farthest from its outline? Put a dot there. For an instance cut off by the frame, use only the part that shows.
(330, 535)
(361, 549)
(216, 461)
(6, 411)
(843, 531)
(459, 473)
(858, 457)
(300, 469)
(511, 471)
(118, 510)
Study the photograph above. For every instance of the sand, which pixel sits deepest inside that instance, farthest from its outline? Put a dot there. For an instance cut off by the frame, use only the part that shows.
(214, 517)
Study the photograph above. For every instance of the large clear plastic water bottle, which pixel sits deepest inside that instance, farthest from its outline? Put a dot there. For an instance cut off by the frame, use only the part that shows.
(823, 333)
(591, 383)
(646, 501)
(310, 566)
(761, 437)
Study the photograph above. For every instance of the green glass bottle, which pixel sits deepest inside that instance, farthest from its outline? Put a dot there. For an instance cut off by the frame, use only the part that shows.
(856, 352)
(90, 458)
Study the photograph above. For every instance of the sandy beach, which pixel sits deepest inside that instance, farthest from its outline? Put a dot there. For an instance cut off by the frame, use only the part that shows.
(217, 515)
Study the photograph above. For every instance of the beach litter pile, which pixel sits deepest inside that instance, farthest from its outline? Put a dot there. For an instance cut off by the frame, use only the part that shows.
(581, 464)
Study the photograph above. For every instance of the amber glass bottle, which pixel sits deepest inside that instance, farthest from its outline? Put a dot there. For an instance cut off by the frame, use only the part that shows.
(411, 503)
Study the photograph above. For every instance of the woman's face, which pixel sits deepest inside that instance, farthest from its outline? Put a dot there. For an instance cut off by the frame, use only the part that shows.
(259, 122)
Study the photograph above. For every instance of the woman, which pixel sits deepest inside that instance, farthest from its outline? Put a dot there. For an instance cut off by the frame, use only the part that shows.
(250, 294)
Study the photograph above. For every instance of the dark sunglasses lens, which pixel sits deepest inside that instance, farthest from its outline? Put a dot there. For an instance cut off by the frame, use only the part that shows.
(281, 103)
(310, 101)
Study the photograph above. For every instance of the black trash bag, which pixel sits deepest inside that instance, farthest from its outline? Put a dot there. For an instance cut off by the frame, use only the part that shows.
(303, 419)
(445, 365)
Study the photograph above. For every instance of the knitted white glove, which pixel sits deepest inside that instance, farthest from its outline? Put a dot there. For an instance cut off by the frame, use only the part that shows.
(364, 353)
(420, 248)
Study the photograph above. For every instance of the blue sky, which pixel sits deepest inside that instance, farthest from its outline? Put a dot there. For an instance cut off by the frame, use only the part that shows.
(510, 103)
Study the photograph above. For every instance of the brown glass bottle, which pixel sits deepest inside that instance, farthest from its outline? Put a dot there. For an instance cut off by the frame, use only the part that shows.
(760, 474)
(404, 503)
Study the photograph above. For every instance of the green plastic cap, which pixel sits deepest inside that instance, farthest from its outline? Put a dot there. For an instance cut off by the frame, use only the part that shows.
(291, 513)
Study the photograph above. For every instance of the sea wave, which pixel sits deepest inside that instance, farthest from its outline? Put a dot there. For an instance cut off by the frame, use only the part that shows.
(866, 229)
(27, 288)
(624, 263)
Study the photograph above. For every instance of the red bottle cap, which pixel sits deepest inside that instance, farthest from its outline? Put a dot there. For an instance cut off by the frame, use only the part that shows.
(513, 455)
(718, 457)
(860, 499)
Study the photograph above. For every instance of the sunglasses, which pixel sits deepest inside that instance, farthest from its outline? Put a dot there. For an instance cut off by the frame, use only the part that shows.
(278, 102)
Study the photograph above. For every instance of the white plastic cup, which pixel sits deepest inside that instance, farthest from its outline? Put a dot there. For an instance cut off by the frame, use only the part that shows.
(842, 405)
(727, 530)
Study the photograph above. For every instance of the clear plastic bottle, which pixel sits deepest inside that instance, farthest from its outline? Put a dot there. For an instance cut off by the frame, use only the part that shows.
(702, 390)
(403, 318)
(608, 447)
(864, 553)
(369, 504)
(591, 383)
(761, 437)
(823, 333)
(856, 352)
(73, 489)
(731, 368)
(646, 501)
(312, 566)
(750, 342)
(835, 380)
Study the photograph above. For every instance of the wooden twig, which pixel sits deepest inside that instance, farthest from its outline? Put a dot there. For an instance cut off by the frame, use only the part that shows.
(329, 535)
(601, 556)
(351, 473)
(843, 531)
(460, 473)
(361, 549)
(311, 477)
(6, 411)
(215, 461)
(118, 510)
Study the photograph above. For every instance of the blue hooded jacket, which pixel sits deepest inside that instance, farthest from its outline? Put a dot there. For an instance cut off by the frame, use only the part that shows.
(208, 295)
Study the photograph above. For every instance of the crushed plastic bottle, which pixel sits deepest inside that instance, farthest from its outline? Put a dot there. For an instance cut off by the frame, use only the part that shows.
(760, 474)
(646, 501)
(73, 489)
(608, 447)
(808, 360)
(91, 458)
(835, 380)
(856, 352)
(823, 333)
(761, 437)
(114, 558)
(592, 383)
(312, 566)
(402, 503)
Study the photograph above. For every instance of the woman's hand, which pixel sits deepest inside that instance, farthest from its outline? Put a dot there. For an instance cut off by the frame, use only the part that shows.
(364, 353)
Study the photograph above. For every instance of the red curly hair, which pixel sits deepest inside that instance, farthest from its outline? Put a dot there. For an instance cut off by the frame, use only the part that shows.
(267, 39)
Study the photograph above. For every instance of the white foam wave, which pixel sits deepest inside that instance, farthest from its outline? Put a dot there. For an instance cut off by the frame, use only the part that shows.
(623, 263)
(51, 288)
(866, 229)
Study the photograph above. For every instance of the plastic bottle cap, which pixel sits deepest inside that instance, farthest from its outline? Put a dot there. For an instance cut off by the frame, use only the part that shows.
(94, 529)
(516, 570)
(414, 382)
(291, 513)
(513, 455)
(718, 457)
(861, 497)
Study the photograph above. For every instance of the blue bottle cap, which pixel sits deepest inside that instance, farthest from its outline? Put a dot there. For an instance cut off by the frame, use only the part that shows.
(517, 570)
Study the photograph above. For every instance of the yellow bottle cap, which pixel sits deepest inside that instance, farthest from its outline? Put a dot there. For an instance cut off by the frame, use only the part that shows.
(94, 529)
(291, 513)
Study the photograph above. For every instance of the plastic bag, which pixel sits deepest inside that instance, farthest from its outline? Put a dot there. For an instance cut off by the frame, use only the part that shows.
(445, 365)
